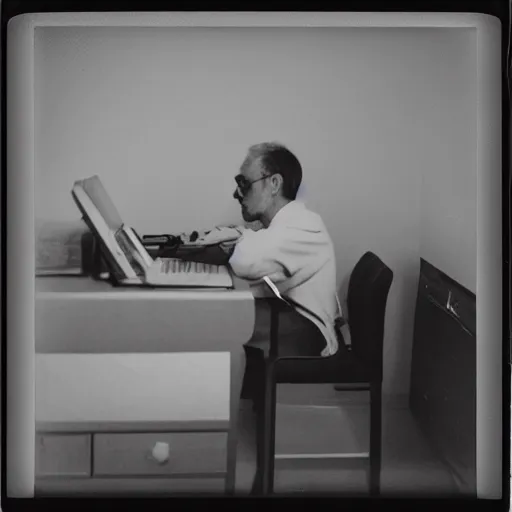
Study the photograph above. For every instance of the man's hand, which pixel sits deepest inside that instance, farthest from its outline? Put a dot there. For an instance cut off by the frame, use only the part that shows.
(220, 235)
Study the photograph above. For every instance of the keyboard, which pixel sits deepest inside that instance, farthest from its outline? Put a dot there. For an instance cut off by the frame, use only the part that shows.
(179, 273)
(174, 266)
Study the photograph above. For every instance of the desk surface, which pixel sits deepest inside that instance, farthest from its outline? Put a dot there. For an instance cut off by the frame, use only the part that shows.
(86, 286)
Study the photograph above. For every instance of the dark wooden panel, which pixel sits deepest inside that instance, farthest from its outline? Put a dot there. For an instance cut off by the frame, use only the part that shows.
(443, 371)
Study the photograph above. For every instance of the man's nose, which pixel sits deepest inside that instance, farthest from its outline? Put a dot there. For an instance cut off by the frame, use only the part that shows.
(236, 195)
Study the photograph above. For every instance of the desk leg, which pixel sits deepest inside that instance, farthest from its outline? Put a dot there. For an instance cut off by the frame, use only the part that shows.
(237, 369)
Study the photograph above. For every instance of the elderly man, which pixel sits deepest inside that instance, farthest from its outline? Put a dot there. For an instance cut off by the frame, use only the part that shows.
(293, 250)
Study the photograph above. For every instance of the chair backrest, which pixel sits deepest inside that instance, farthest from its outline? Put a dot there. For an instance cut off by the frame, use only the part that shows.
(368, 290)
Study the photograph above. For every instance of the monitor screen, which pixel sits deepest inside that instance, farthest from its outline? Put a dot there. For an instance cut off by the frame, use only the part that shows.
(102, 225)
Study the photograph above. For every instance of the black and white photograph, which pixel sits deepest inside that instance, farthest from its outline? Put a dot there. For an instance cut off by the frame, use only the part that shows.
(254, 254)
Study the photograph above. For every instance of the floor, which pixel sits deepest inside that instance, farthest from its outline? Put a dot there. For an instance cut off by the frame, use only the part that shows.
(329, 423)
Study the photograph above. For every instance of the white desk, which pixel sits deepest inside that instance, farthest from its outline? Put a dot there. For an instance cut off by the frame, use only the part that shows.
(119, 370)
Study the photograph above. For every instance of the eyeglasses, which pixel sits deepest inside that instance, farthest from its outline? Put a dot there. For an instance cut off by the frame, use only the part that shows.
(245, 185)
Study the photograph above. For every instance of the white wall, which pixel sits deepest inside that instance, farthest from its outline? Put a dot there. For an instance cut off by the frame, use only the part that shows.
(164, 116)
(449, 176)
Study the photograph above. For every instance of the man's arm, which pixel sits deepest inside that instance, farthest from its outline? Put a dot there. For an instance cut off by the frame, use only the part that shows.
(221, 234)
(278, 255)
(253, 256)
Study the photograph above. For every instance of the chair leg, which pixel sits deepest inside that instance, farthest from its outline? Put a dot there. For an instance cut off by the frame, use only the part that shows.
(258, 398)
(375, 437)
(269, 430)
(259, 409)
(257, 487)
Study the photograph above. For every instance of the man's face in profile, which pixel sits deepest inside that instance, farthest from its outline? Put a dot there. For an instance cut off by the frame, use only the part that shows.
(252, 190)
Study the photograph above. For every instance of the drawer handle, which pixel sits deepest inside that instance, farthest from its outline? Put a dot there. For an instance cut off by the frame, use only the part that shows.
(160, 452)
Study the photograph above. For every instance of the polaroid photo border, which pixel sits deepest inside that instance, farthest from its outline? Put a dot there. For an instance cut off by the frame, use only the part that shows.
(20, 193)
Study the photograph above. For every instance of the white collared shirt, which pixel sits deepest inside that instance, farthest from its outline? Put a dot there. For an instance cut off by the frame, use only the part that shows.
(296, 253)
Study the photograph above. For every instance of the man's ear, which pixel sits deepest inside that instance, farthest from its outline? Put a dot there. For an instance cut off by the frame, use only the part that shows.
(277, 183)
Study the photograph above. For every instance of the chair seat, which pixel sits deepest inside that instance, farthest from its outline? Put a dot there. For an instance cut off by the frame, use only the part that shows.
(340, 368)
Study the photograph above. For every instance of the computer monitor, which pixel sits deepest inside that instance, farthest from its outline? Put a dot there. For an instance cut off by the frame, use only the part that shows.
(124, 253)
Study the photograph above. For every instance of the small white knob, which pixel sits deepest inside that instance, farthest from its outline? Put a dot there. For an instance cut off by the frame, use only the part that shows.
(160, 452)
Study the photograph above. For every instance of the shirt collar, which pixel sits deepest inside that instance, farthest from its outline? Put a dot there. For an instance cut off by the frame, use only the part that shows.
(286, 211)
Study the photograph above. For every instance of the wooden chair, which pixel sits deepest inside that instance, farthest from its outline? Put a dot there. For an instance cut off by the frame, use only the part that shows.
(357, 367)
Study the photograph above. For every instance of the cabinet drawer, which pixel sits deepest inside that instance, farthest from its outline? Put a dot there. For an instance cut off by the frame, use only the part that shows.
(184, 453)
(60, 455)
